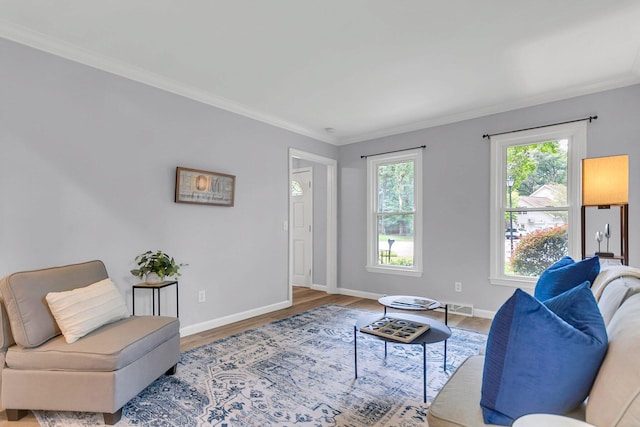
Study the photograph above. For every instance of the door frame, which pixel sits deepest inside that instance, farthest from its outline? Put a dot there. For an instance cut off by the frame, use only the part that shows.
(332, 218)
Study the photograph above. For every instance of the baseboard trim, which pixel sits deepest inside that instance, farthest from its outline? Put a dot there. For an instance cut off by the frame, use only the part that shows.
(359, 294)
(322, 288)
(222, 321)
(485, 314)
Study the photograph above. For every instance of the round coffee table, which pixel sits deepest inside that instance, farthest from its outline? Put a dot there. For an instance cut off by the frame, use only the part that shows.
(437, 332)
(412, 303)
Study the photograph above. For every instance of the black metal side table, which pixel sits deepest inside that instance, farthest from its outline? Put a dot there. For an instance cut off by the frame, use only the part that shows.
(437, 332)
(154, 287)
(413, 303)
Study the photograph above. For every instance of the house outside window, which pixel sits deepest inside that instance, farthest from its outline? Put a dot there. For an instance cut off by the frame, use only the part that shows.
(394, 220)
(535, 201)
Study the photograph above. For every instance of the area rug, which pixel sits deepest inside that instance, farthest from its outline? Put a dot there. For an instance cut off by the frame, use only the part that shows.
(296, 371)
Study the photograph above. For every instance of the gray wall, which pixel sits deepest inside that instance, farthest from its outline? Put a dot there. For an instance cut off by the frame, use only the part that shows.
(456, 195)
(87, 164)
(87, 170)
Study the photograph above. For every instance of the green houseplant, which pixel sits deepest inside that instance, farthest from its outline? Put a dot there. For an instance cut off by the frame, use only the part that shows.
(155, 266)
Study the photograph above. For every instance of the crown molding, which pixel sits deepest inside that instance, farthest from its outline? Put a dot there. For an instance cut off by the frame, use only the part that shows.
(560, 95)
(36, 40)
(83, 56)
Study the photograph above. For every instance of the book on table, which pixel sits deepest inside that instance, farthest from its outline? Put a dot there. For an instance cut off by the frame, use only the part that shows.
(414, 302)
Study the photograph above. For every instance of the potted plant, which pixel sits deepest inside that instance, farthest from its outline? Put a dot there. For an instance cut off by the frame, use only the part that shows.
(155, 266)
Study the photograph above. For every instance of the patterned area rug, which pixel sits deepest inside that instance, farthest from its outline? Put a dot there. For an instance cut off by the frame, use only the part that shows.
(296, 371)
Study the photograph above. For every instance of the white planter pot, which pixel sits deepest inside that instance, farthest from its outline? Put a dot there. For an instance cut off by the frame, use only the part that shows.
(153, 278)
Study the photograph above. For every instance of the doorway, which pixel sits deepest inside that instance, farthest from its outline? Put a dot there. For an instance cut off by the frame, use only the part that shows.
(301, 225)
(323, 248)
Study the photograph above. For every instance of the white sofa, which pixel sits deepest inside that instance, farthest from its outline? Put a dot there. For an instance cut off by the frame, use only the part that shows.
(98, 373)
(614, 400)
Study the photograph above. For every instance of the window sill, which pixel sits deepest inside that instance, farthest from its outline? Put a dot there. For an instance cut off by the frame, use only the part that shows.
(514, 282)
(396, 271)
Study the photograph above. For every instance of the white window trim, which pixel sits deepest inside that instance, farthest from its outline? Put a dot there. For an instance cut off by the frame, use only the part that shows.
(576, 133)
(372, 199)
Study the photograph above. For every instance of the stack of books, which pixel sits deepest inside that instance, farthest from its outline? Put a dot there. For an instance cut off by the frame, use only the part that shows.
(415, 303)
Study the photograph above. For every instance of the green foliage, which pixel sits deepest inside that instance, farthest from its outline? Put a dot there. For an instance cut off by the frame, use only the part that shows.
(396, 195)
(395, 187)
(538, 250)
(395, 259)
(404, 261)
(534, 165)
(156, 262)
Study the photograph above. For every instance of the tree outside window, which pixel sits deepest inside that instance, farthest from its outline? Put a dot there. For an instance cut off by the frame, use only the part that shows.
(538, 177)
(535, 201)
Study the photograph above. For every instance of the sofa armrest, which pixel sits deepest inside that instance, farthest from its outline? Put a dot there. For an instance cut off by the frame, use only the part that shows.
(6, 338)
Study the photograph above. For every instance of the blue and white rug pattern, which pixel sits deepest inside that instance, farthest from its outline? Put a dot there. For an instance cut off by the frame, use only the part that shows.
(298, 371)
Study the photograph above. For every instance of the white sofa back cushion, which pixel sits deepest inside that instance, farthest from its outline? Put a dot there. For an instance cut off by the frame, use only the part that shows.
(615, 396)
(83, 310)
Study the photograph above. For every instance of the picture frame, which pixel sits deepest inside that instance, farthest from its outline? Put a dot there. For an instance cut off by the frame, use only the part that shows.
(202, 187)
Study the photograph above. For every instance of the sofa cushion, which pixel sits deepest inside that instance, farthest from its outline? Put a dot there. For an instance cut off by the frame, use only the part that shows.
(106, 349)
(564, 275)
(615, 396)
(456, 404)
(614, 295)
(24, 294)
(82, 310)
(533, 352)
(6, 337)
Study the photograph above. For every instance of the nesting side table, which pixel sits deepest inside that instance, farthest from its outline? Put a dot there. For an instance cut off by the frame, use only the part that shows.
(155, 287)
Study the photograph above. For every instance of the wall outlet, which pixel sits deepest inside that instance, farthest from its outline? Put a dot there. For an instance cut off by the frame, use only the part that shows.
(458, 286)
(202, 296)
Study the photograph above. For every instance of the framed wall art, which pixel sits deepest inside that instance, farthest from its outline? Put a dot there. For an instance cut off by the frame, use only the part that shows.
(204, 188)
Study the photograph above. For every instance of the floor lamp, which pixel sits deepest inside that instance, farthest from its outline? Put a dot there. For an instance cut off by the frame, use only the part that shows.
(605, 183)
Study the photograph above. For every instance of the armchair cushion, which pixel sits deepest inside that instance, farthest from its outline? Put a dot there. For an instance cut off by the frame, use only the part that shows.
(106, 350)
(24, 294)
(82, 310)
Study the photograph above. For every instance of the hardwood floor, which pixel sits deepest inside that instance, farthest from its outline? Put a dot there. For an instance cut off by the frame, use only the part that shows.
(303, 299)
(306, 299)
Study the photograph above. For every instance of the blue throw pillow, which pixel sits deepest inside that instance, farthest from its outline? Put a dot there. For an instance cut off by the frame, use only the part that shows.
(564, 275)
(542, 358)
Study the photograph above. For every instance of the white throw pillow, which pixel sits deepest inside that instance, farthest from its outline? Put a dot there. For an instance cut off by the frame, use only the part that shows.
(83, 310)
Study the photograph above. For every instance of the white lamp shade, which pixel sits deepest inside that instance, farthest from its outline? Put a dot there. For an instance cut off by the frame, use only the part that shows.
(605, 181)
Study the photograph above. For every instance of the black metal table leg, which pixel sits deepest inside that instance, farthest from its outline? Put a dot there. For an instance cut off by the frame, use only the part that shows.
(424, 372)
(446, 322)
(355, 351)
(444, 367)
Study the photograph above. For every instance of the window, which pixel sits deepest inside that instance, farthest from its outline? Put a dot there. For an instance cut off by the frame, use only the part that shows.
(535, 207)
(394, 221)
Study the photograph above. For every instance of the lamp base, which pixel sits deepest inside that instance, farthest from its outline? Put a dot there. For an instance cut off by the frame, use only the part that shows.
(605, 254)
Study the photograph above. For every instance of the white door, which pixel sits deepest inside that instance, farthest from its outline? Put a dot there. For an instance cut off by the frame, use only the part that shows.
(301, 218)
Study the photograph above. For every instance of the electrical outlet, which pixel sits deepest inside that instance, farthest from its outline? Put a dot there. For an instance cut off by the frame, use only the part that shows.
(202, 296)
(458, 286)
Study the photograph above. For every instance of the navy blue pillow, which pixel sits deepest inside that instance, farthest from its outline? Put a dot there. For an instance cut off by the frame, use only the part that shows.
(542, 358)
(564, 275)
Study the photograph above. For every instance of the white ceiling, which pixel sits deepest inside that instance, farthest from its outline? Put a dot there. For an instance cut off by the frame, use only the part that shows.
(365, 68)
